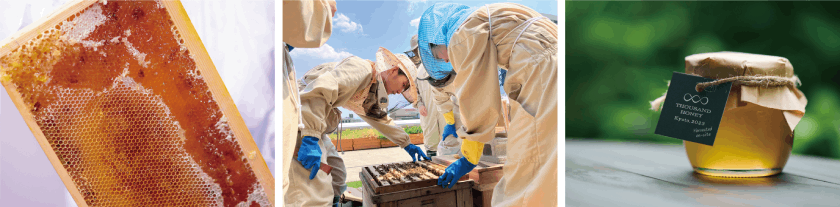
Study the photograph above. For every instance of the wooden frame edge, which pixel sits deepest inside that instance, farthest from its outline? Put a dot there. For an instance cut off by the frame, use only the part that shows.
(24, 35)
(214, 82)
(203, 63)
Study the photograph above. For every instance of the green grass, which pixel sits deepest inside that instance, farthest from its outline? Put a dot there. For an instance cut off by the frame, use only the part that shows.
(354, 184)
(355, 134)
(370, 132)
(413, 130)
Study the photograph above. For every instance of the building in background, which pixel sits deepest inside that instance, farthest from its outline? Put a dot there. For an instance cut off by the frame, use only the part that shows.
(405, 114)
(551, 17)
(350, 119)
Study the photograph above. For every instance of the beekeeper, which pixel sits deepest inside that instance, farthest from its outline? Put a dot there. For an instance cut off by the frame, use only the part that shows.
(306, 24)
(438, 121)
(313, 191)
(357, 85)
(476, 41)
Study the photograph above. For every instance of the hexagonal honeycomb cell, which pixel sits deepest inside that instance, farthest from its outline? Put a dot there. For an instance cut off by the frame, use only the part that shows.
(120, 104)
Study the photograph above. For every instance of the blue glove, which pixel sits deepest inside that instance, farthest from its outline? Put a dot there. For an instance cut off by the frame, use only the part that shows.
(309, 155)
(413, 151)
(455, 171)
(449, 129)
(502, 74)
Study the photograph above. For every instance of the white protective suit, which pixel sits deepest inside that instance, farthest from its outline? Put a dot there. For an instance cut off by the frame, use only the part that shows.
(327, 87)
(331, 87)
(433, 123)
(451, 145)
(339, 171)
(525, 43)
(306, 24)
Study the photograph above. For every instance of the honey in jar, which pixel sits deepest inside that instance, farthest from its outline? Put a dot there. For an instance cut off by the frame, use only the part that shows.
(755, 136)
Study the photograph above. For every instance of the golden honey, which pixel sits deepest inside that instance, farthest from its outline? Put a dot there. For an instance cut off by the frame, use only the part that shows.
(755, 136)
(123, 105)
(750, 142)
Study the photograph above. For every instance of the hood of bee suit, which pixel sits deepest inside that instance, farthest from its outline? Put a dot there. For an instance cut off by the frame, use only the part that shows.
(437, 25)
(386, 60)
(413, 54)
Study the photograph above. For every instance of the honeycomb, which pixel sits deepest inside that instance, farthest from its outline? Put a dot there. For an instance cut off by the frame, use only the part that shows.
(124, 107)
(407, 172)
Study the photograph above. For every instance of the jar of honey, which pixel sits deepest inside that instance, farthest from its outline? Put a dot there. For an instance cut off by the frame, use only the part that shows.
(755, 136)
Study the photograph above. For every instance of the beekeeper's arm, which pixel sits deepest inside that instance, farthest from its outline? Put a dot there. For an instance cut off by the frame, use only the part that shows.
(443, 101)
(419, 104)
(478, 92)
(307, 24)
(419, 101)
(387, 127)
(445, 107)
(330, 90)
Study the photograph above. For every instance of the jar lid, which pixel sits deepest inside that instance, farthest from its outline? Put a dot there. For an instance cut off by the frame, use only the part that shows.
(728, 64)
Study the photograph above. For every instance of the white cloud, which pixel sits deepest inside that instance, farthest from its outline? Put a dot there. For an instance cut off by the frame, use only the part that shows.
(343, 22)
(325, 52)
(412, 4)
(415, 22)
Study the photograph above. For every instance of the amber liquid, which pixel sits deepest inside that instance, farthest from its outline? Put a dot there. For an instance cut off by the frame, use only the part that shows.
(752, 141)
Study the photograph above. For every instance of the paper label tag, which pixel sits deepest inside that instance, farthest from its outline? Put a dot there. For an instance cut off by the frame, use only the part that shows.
(690, 115)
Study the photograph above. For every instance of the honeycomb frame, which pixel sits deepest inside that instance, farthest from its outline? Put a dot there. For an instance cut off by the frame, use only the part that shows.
(203, 65)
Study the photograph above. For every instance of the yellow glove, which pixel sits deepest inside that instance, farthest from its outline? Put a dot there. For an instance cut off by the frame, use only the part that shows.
(472, 150)
(450, 117)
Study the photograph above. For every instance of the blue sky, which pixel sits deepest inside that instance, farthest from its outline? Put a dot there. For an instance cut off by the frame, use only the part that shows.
(361, 27)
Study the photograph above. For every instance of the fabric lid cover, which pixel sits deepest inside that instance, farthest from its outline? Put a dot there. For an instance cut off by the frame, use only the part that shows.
(789, 99)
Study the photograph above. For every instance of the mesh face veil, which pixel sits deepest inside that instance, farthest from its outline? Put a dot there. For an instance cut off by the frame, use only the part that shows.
(437, 24)
(439, 83)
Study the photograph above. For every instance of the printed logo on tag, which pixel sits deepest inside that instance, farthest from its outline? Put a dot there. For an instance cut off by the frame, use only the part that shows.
(690, 115)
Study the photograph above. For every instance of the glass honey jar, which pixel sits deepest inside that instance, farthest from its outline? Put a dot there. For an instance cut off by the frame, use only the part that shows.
(755, 136)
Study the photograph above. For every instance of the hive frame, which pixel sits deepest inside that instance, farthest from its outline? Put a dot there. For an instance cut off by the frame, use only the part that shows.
(203, 63)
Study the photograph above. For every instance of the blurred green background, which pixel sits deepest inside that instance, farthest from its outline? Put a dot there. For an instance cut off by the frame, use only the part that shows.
(619, 57)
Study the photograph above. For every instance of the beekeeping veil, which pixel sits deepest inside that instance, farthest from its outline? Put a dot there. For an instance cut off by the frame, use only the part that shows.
(386, 60)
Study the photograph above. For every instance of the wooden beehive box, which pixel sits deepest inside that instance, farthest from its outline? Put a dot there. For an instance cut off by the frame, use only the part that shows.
(128, 107)
(418, 189)
(485, 175)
